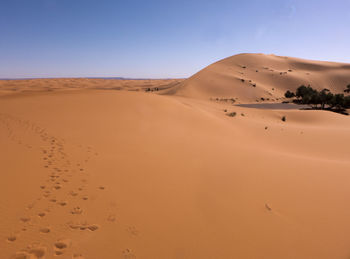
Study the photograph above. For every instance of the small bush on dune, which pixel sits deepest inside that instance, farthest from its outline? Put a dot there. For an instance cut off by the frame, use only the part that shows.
(232, 114)
(289, 94)
(284, 118)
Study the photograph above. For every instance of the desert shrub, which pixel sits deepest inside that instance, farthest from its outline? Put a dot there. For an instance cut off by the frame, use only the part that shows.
(324, 98)
(284, 118)
(347, 102)
(232, 114)
(289, 94)
(347, 90)
(337, 101)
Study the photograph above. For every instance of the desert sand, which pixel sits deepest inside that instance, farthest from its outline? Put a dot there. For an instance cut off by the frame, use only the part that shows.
(94, 168)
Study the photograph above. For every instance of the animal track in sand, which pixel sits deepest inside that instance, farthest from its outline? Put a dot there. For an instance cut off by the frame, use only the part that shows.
(78, 256)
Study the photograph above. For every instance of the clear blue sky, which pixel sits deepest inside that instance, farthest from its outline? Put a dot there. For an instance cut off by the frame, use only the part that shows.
(162, 38)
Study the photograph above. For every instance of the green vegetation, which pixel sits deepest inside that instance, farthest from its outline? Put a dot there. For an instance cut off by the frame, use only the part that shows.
(347, 90)
(289, 94)
(323, 100)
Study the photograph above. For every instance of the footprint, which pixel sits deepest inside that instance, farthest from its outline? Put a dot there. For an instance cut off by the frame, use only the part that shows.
(45, 230)
(62, 244)
(58, 252)
(41, 214)
(78, 226)
(78, 256)
(25, 219)
(57, 187)
(133, 231)
(31, 252)
(101, 187)
(111, 218)
(37, 252)
(30, 206)
(12, 238)
(93, 227)
(21, 255)
(62, 203)
(73, 193)
(77, 211)
(127, 254)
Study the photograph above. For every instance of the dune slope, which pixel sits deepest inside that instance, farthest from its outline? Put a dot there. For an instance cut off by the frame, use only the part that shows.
(91, 173)
(250, 77)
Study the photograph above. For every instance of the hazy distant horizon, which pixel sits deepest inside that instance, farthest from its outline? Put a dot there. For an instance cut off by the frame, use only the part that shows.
(157, 39)
(90, 77)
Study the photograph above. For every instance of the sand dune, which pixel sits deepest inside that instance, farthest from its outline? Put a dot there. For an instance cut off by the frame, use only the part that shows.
(250, 77)
(90, 172)
(8, 87)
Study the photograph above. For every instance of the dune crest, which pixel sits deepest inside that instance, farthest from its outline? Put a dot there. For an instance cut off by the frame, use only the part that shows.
(250, 77)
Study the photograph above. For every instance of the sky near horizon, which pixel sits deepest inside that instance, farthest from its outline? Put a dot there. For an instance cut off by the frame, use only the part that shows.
(162, 39)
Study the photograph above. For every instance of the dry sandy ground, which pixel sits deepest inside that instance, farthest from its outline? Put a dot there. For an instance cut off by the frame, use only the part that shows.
(89, 173)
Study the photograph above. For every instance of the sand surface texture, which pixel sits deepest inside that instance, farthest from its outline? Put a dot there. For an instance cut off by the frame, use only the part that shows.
(93, 168)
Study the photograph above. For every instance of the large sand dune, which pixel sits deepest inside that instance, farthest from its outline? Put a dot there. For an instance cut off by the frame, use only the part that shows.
(249, 77)
(91, 173)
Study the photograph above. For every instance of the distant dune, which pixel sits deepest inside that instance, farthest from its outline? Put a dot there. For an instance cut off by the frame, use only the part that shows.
(249, 77)
(94, 168)
(58, 84)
